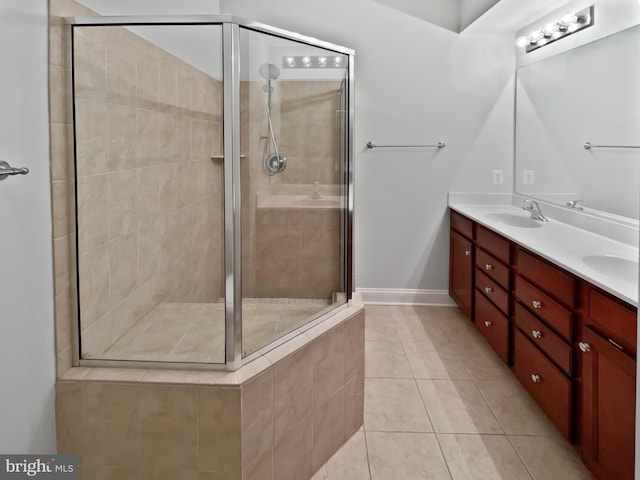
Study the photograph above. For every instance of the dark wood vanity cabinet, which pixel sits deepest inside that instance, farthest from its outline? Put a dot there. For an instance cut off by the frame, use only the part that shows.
(571, 345)
(492, 308)
(461, 262)
(544, 315)
(606, 349)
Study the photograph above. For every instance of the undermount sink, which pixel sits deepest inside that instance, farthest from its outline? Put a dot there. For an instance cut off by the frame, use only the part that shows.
(513, 220)
(613, 265)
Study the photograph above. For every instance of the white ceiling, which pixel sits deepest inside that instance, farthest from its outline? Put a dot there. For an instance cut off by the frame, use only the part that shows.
(497, 16)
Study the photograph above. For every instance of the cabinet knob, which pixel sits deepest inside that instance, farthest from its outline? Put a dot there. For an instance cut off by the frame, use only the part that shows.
(488, 289)
(536, 304)
(536, 378)
(487, 323)
(536, 334)
(488, 267)
(584, 347)
(467, 253)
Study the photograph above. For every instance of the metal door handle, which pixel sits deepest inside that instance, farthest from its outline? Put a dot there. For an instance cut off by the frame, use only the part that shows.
(488, 267)
(7, 170)
(488, 289)
(467, 253)
(487, 323)
(536, 378)
(584, 347)
(537, 304)
(536, 334)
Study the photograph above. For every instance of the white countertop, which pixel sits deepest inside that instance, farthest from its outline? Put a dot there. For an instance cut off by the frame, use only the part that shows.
(605, 262)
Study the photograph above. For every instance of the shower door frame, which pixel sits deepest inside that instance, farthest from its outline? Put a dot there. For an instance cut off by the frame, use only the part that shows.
(230, 37)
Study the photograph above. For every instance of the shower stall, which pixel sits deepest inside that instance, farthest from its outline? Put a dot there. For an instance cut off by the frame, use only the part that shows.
(213, 172)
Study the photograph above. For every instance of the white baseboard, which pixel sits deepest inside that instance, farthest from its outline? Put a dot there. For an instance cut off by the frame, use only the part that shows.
(396, 296)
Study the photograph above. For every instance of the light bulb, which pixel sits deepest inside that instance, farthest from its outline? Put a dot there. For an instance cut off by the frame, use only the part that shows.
(568, 19)
(534, 37)
(550, 29)
(337, 61)
(306, 61)
(291, 61)
(322, 61)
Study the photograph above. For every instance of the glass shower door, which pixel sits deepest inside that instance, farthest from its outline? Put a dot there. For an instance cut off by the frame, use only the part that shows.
(148, 117)
(293, 125)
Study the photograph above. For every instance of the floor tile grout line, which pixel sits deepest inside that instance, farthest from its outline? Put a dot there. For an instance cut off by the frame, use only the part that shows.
(521, 459)
(444, 457)
(366, 449)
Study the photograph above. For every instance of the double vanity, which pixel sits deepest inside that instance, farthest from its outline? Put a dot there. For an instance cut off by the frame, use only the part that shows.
(556, 296)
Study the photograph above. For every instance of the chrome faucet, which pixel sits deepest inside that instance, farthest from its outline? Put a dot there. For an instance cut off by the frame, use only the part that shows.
(534, 210)
(574, 204)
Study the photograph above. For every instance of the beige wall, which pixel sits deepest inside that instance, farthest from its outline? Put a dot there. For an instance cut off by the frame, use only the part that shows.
(150, 198)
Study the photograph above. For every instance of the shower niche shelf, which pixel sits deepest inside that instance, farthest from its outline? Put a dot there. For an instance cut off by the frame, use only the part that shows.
(221, 157)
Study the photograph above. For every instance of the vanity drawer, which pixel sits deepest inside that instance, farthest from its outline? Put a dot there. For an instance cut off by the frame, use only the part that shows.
(546, 384)
(461, 224)
(614, 318)
(493, 291)
(552, 279)
(554, 314)
(494, 269)
(494, 244)
(558, 350)
(493, 325)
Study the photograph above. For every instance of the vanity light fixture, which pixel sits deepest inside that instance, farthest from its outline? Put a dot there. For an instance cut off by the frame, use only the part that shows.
(311, 61)
(568, 24)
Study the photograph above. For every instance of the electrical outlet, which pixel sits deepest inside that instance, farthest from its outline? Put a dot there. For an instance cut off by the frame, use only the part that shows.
(498, 177)
(528, 177)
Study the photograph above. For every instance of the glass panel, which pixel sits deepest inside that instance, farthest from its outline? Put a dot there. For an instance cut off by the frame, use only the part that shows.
(149, 173)
(293, 130)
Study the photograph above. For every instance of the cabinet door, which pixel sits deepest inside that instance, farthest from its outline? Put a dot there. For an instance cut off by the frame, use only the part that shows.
(609, 403)
(461, 271)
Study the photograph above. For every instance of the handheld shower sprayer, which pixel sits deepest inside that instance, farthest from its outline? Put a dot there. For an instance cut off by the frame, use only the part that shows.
(273, 162)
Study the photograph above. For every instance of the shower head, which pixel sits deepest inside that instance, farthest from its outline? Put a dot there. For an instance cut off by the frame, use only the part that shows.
(269, 71)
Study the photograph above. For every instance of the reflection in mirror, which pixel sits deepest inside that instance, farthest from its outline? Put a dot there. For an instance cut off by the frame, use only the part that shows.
(588, 94)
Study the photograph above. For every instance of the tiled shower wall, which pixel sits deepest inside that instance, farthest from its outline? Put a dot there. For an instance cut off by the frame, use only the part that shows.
(150, 200)
(291, 253)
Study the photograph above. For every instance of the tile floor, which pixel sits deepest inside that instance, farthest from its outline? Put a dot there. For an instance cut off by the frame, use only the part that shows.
(439, 404)
(194, 332)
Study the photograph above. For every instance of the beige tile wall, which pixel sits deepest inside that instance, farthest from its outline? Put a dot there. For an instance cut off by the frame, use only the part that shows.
(297, 253)
(149, 196)
(145, 180)
(282, 424)
(291, 253)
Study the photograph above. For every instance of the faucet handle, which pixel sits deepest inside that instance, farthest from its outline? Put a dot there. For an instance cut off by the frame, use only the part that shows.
(530, 205)
(574, 204)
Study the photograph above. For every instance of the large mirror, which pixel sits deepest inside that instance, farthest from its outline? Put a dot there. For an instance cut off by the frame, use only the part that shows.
(590, 94)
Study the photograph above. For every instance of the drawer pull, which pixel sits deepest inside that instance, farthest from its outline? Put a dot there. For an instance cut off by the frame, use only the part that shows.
(488, 289)
(536, 334)
(487, 323)
(537, 304)
(584, 347)
(488, 267)
(467, 253)
(536, 378)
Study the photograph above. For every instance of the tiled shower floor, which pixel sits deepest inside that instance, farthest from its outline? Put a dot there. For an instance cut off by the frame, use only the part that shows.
(441, 405)
(194, 332)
